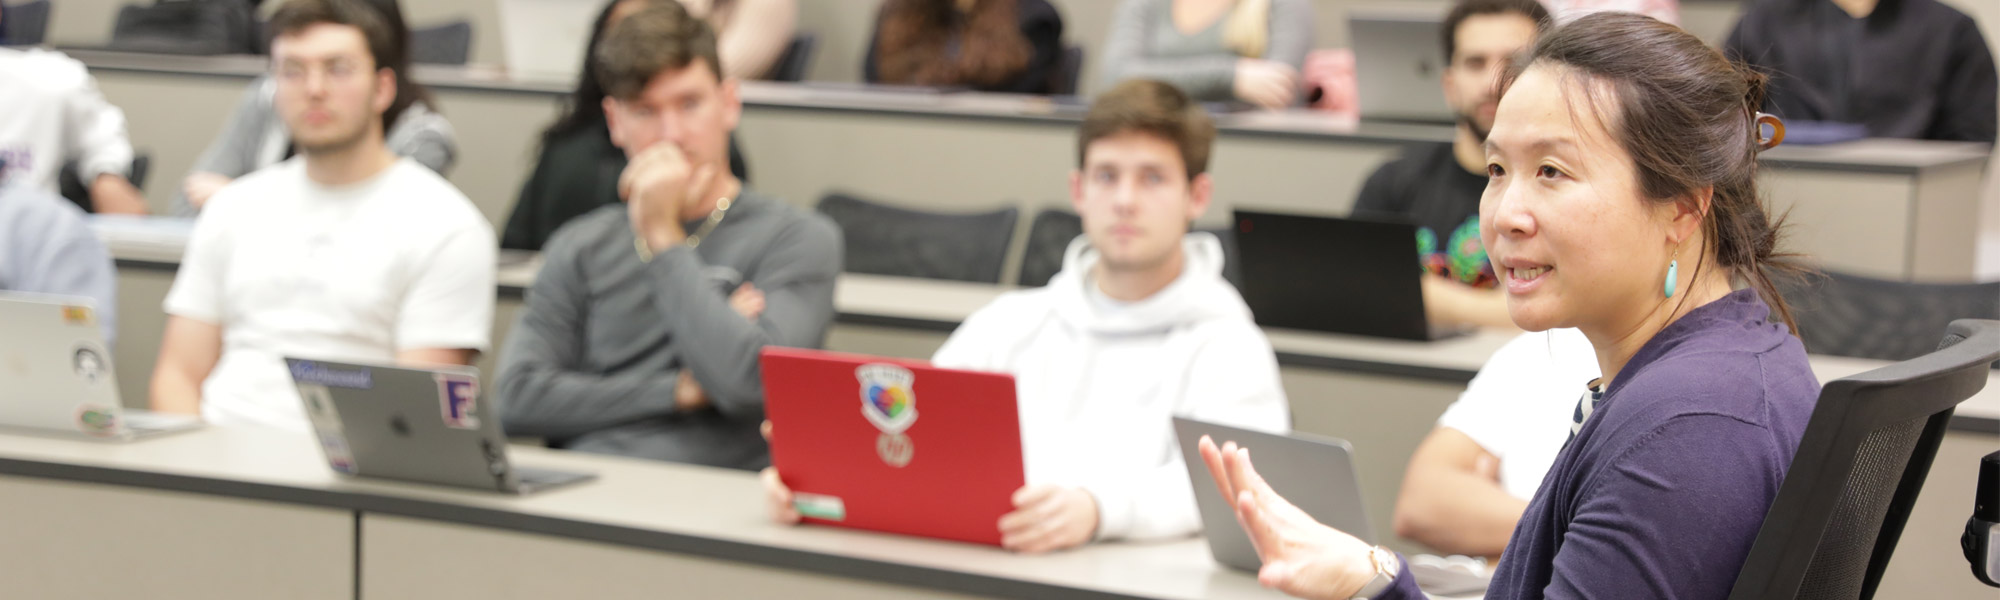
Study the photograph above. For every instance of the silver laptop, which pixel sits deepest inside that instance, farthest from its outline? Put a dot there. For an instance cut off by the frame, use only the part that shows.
(56, 374)
(1314, 473)
(1399, 63)
(543, 40)
(421, 425)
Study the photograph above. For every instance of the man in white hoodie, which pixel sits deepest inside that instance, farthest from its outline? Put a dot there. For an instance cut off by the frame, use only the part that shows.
(1138, 327)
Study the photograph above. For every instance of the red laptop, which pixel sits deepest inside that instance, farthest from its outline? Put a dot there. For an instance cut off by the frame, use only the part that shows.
(894, 445)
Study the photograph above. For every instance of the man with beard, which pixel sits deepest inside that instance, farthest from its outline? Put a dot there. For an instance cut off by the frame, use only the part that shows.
(345, 252)
(1437, 186)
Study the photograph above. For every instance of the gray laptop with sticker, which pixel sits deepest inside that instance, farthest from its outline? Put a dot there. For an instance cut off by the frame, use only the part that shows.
(56, 374)
(422, 425)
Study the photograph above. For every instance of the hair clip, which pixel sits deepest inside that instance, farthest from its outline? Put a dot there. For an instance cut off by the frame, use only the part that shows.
(1777, 130)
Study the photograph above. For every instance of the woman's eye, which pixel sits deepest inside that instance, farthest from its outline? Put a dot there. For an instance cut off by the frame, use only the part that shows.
(1493, 170)
(1551, 172)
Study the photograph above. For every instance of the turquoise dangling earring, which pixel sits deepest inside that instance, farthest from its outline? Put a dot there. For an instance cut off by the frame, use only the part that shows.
(1673, 272)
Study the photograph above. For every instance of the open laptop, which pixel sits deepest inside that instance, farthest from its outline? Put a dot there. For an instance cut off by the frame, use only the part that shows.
(1313, 473)
(543, 40)
(894, 445)
(1334, 275)
(56, 374)
(421, 425)
(1399, 63)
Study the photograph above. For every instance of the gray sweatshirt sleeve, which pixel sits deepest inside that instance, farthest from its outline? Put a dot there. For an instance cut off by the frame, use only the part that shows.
(233, 153)
(721, 347)
(542, 391)
(1291, 32)
(1207, 77)
(426, 137)
(1210, 77)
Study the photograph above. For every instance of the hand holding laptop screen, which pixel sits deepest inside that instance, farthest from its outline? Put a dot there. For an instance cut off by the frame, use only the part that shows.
(1301, 557)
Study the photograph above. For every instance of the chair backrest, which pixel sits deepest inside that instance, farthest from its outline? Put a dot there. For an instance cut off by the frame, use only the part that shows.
(1067, 72)
(197, 27)
(796, 60)
(27, 23)
(1851, 315)
(1050, 233)
(1862, 460)
(887, 240)
(447, 44)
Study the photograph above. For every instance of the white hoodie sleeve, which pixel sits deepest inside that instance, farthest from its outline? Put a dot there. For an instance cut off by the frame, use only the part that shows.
(95, 133)
(1233, 380)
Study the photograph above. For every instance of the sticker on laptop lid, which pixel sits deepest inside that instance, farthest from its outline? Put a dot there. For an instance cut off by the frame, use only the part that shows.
(820, 506)
(889, 401)
(338, 455)
(319, 407)
(310, 372)
(458, 398)
(76, 315)
(97, 420)
(88, 363)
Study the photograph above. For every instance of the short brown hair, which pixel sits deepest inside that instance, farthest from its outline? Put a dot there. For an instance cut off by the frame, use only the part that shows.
(659, 37)
(1155, 108)
(381, 25)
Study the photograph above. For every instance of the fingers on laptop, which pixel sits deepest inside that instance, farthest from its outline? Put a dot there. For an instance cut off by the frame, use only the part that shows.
(778, 497)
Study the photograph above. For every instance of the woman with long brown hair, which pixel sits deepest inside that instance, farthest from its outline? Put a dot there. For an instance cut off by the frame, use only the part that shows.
(1622, 201)
(987, 45)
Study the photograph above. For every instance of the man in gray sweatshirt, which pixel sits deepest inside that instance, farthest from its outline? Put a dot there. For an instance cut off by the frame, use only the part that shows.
(641, 334)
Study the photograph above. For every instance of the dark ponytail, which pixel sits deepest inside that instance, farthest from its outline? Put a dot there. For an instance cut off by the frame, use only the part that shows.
(1688, 116)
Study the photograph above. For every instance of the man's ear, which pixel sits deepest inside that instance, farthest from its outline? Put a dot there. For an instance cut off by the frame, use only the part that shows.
(1201, 192)
(611, 118)
(385, 90)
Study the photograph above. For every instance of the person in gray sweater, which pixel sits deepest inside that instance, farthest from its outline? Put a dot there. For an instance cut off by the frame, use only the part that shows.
(641, 335)
(1214, 50)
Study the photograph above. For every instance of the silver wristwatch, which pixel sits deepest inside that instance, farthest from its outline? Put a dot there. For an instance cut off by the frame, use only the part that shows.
(1386, 567)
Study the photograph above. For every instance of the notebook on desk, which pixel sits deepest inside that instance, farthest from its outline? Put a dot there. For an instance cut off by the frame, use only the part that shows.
(894, 445)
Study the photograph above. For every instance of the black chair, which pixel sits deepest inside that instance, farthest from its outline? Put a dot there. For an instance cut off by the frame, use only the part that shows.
(1067, 72)
(447, 44)
(886, 240)
(78, 191)
(1050, 233)
(1851, 315)
(797, 59)
(1863, 458)
(26, 24)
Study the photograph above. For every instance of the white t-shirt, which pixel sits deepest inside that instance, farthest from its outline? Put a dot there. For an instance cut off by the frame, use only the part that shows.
(50, 112)
(1519, 405)
(289, 267)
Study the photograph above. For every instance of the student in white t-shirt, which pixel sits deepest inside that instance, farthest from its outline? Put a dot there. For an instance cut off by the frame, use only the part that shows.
(346, 252)
(51, 112)
(1469, 481)
(1137, 328)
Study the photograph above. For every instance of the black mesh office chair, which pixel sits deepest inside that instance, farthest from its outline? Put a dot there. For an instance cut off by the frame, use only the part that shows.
(1851, 315)
(797, 59)
(26, 24)
(1052, 230)
(1860, 464)
(887, 240)
(447, 44)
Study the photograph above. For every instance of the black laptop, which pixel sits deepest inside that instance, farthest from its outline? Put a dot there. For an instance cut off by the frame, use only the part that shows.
(1334, 275)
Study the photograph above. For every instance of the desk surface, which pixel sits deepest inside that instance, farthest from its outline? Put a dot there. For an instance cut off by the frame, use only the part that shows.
(710, 512)
(1875, 155)
(941, 305)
